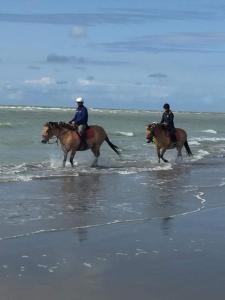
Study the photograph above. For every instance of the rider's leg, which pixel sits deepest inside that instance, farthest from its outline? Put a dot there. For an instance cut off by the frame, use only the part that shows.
(81, 131)
(172, 132)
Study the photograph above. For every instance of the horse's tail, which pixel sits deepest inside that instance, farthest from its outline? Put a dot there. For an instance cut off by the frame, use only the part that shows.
(114, 147)
(187, 148)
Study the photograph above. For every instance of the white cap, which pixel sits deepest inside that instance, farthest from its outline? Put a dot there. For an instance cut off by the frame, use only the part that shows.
(79, 100)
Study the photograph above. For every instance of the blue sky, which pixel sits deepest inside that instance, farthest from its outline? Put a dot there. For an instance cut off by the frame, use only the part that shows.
(116, 54)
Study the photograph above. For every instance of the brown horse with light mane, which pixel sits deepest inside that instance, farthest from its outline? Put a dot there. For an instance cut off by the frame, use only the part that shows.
(158, 133)
(70, 139)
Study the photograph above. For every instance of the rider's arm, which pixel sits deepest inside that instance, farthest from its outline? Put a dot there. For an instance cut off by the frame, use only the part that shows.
(73, 120)
(162, 120)
(170, 119)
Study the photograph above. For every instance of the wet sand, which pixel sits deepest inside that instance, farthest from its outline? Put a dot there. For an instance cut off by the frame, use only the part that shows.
(180, 258)
(124, 238)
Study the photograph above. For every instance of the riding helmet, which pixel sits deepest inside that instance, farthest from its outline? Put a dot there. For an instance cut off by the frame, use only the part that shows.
(166, 106)
(79, 100)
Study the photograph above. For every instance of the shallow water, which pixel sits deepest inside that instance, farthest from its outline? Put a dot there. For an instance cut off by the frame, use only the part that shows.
(24, 158)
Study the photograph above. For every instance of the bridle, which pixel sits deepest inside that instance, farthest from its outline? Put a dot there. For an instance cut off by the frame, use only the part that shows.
(55, 141)
(151, 134)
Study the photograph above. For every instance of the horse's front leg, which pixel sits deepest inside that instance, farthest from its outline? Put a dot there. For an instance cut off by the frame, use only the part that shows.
(65, 157)
(73, 152)
(162, 153)
(158, 153)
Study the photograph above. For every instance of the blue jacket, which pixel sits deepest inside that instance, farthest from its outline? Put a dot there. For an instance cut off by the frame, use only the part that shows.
(81, 116)
(167, 119)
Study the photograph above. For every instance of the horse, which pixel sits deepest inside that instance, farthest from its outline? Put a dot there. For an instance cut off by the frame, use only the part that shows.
(70, 140)
(159, 134)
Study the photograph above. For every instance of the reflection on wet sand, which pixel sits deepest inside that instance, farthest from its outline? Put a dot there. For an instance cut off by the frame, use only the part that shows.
(167, 200)
(81, 197)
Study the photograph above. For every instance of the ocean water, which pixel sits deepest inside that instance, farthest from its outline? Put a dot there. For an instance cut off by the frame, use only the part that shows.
(37, 192)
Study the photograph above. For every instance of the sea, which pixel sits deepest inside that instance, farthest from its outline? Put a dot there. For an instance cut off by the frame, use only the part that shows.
(39, 198)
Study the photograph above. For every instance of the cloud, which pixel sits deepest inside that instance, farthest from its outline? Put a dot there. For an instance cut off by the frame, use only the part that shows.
(87, 81)
(202, 42)
(43, 81)
(118, 16)
(157, 75)
(78, 32)
(55, 58)
(74, 60)
(34, 67)
(61, 82)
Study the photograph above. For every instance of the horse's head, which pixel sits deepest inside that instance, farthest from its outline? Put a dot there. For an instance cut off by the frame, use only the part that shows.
(47, 132)
(150, 132)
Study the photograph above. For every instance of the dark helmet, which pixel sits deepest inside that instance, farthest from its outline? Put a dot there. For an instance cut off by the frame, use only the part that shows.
(166, 106)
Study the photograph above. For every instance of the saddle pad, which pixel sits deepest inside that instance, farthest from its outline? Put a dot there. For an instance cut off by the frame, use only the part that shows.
(89, 133)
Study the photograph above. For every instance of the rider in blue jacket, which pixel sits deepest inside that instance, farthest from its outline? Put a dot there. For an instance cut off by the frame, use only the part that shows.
(80, 118)
(168, 121)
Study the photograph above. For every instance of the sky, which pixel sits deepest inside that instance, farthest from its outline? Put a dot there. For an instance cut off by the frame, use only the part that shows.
(114, 53)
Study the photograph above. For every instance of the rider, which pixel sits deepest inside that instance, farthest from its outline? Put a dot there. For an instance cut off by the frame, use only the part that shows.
(80, 118)
(167, 121)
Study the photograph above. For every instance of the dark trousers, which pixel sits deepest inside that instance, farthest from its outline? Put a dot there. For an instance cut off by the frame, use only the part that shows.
(172, 133)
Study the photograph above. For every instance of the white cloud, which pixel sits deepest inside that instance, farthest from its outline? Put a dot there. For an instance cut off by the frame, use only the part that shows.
(43, 81)
(78, 32)
(85, 82)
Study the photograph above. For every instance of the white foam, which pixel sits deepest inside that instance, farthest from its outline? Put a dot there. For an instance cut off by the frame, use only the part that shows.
(200, 197)
(6, 124)
(124, 133)
(209, 139)
(87, 265)
(194, 143)
(200, 155)
(210, 131)
(35, 108)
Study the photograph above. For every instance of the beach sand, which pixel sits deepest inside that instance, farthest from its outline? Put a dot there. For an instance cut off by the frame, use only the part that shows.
(116, 236)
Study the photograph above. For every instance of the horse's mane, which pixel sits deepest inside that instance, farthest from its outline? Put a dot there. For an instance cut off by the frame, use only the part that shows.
(60, 125)
(157, 124)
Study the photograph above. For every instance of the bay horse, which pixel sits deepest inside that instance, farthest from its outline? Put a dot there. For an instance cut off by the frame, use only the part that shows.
(159, 134)
(70, 139)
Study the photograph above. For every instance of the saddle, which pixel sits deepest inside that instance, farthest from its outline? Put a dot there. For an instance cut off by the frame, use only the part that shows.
(174, 136)
(88, 134)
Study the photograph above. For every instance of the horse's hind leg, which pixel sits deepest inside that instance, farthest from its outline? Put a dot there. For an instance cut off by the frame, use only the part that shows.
(96, 153)
(73, 152)
(179, 153)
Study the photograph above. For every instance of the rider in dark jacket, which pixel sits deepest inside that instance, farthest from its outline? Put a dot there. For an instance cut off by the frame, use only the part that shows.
(80, 118)
(167, 120)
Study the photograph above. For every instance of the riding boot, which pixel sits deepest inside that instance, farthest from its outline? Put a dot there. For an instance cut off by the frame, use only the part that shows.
(173, 137)
(83, 142)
